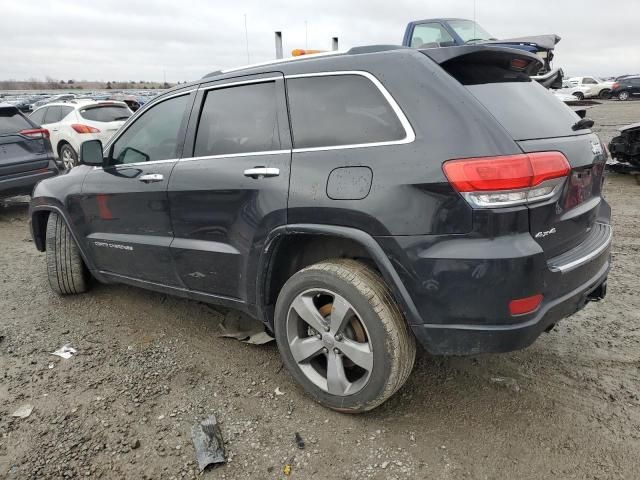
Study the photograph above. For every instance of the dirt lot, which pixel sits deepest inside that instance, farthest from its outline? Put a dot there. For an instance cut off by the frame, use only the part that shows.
(149, 366)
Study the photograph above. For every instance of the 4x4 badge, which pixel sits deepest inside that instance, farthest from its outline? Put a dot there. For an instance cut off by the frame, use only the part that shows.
(544, 234)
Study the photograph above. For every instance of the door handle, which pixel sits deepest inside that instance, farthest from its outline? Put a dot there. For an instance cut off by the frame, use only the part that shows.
(151, 177)
(260, 172)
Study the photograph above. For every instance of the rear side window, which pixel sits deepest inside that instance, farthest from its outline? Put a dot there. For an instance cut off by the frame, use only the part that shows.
(239, 119)
(339, 110)
(430, 34)
(38, 116)
(11, 121)
(56, 113)
(107, 113)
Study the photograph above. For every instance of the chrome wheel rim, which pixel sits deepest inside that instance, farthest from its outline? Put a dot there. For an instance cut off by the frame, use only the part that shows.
(623, 95)
(67, 159)
(329, 342)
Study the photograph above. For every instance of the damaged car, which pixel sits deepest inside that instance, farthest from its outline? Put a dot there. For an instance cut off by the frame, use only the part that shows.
(353, 208)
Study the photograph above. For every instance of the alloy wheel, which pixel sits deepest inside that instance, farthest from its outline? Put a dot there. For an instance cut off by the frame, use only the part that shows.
(329, 342)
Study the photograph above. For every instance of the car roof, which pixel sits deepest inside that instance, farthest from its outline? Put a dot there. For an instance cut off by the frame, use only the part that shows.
(80, 103)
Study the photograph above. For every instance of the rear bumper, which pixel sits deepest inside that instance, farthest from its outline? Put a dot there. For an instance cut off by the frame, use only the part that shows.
(23, 183)
(475, 339)
(459, 287)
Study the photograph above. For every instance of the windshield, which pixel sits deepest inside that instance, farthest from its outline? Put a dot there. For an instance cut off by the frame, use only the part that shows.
(470, 31)
(107, 113)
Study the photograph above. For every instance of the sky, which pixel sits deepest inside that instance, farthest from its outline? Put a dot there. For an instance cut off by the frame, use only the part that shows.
(180, 40)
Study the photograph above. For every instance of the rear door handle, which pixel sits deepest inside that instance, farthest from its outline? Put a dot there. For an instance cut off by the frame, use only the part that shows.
(260, 172)
(151, 177)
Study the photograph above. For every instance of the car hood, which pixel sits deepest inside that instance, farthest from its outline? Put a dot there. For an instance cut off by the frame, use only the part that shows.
(545, 42)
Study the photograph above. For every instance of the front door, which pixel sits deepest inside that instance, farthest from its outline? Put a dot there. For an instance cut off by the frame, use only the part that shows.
(127, 226)
(232, 190)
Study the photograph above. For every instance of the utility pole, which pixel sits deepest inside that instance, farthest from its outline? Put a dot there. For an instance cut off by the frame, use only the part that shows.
(306, 35)
(246, 37)
(278, 44)
(334, 43)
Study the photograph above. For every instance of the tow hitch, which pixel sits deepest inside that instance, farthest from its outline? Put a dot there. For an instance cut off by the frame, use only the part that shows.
(597, 293)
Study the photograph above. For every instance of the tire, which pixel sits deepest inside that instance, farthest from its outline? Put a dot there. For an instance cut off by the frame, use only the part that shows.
(66, 270)
(605, 94)
(623, 96)
(68, 156)
(579, 95)
(373, 332)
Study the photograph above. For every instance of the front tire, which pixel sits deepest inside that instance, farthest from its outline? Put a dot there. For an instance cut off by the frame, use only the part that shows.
(68, 156)
(623, 96)
(342, 336)
(66, 270)
(579, 95)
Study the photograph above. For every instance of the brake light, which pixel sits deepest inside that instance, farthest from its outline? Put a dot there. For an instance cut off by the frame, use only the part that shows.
(78, 127)
(519, 64)
(507, 180)
(35, 133)
(298, 52)
(521, 306)
(615, 85)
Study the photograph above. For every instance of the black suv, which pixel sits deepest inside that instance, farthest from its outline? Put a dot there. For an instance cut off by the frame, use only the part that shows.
(25, 153)
(353, 202)
(626, 88)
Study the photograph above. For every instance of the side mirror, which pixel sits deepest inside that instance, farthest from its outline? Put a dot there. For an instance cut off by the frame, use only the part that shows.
(91, 153)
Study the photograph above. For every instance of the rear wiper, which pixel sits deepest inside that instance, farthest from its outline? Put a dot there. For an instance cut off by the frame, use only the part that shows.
(582, 124)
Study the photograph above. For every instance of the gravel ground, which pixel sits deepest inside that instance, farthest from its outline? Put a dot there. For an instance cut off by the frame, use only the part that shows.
(149, 366)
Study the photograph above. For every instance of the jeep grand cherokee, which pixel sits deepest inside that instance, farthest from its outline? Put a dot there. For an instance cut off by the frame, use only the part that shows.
(354, 202)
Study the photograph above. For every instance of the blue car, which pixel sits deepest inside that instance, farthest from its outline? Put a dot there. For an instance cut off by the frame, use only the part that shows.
(456, 32)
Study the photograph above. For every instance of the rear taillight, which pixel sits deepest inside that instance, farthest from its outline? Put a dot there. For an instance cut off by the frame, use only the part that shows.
(78, 127)
(508, 180)
(35, 133)
(615, 85)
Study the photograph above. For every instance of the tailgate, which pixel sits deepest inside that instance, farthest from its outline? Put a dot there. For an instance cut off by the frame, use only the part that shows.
(22, 154)
(567, 221)
(500, 80)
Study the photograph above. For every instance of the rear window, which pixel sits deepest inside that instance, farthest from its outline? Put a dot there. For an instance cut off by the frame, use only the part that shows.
(527, 110)
(339, 110)
(11, 121)
(107, 113)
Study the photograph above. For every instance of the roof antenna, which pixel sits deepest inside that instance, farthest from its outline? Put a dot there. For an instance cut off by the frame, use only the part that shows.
(246, 37)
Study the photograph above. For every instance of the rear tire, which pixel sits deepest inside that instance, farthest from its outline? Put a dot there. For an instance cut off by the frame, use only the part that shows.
(66, 270)
(605, 94)
(68, 156)
(372, 332)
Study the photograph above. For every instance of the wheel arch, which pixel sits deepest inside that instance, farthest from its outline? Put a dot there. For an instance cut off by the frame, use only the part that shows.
(277, 263)
(39, 216)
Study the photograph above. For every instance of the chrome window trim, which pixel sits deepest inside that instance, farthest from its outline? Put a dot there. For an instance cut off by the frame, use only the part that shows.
(241, 82)
(152, 162)
(410, 135)
(232, 155)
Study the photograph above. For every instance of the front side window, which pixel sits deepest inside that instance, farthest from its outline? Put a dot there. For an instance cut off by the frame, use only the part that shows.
(430, 33)
(340, 110)
(588, 81)
(155, 135)
(240, 119)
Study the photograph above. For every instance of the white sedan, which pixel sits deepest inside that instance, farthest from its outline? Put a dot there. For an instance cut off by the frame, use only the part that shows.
(72, 122)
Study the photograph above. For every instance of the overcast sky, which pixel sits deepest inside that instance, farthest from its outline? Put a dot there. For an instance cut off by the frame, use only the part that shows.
(134, 40)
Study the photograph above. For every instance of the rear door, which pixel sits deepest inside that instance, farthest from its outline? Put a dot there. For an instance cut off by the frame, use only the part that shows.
(51, 122)
(231, 188)
(20, 150)
(125, 220)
